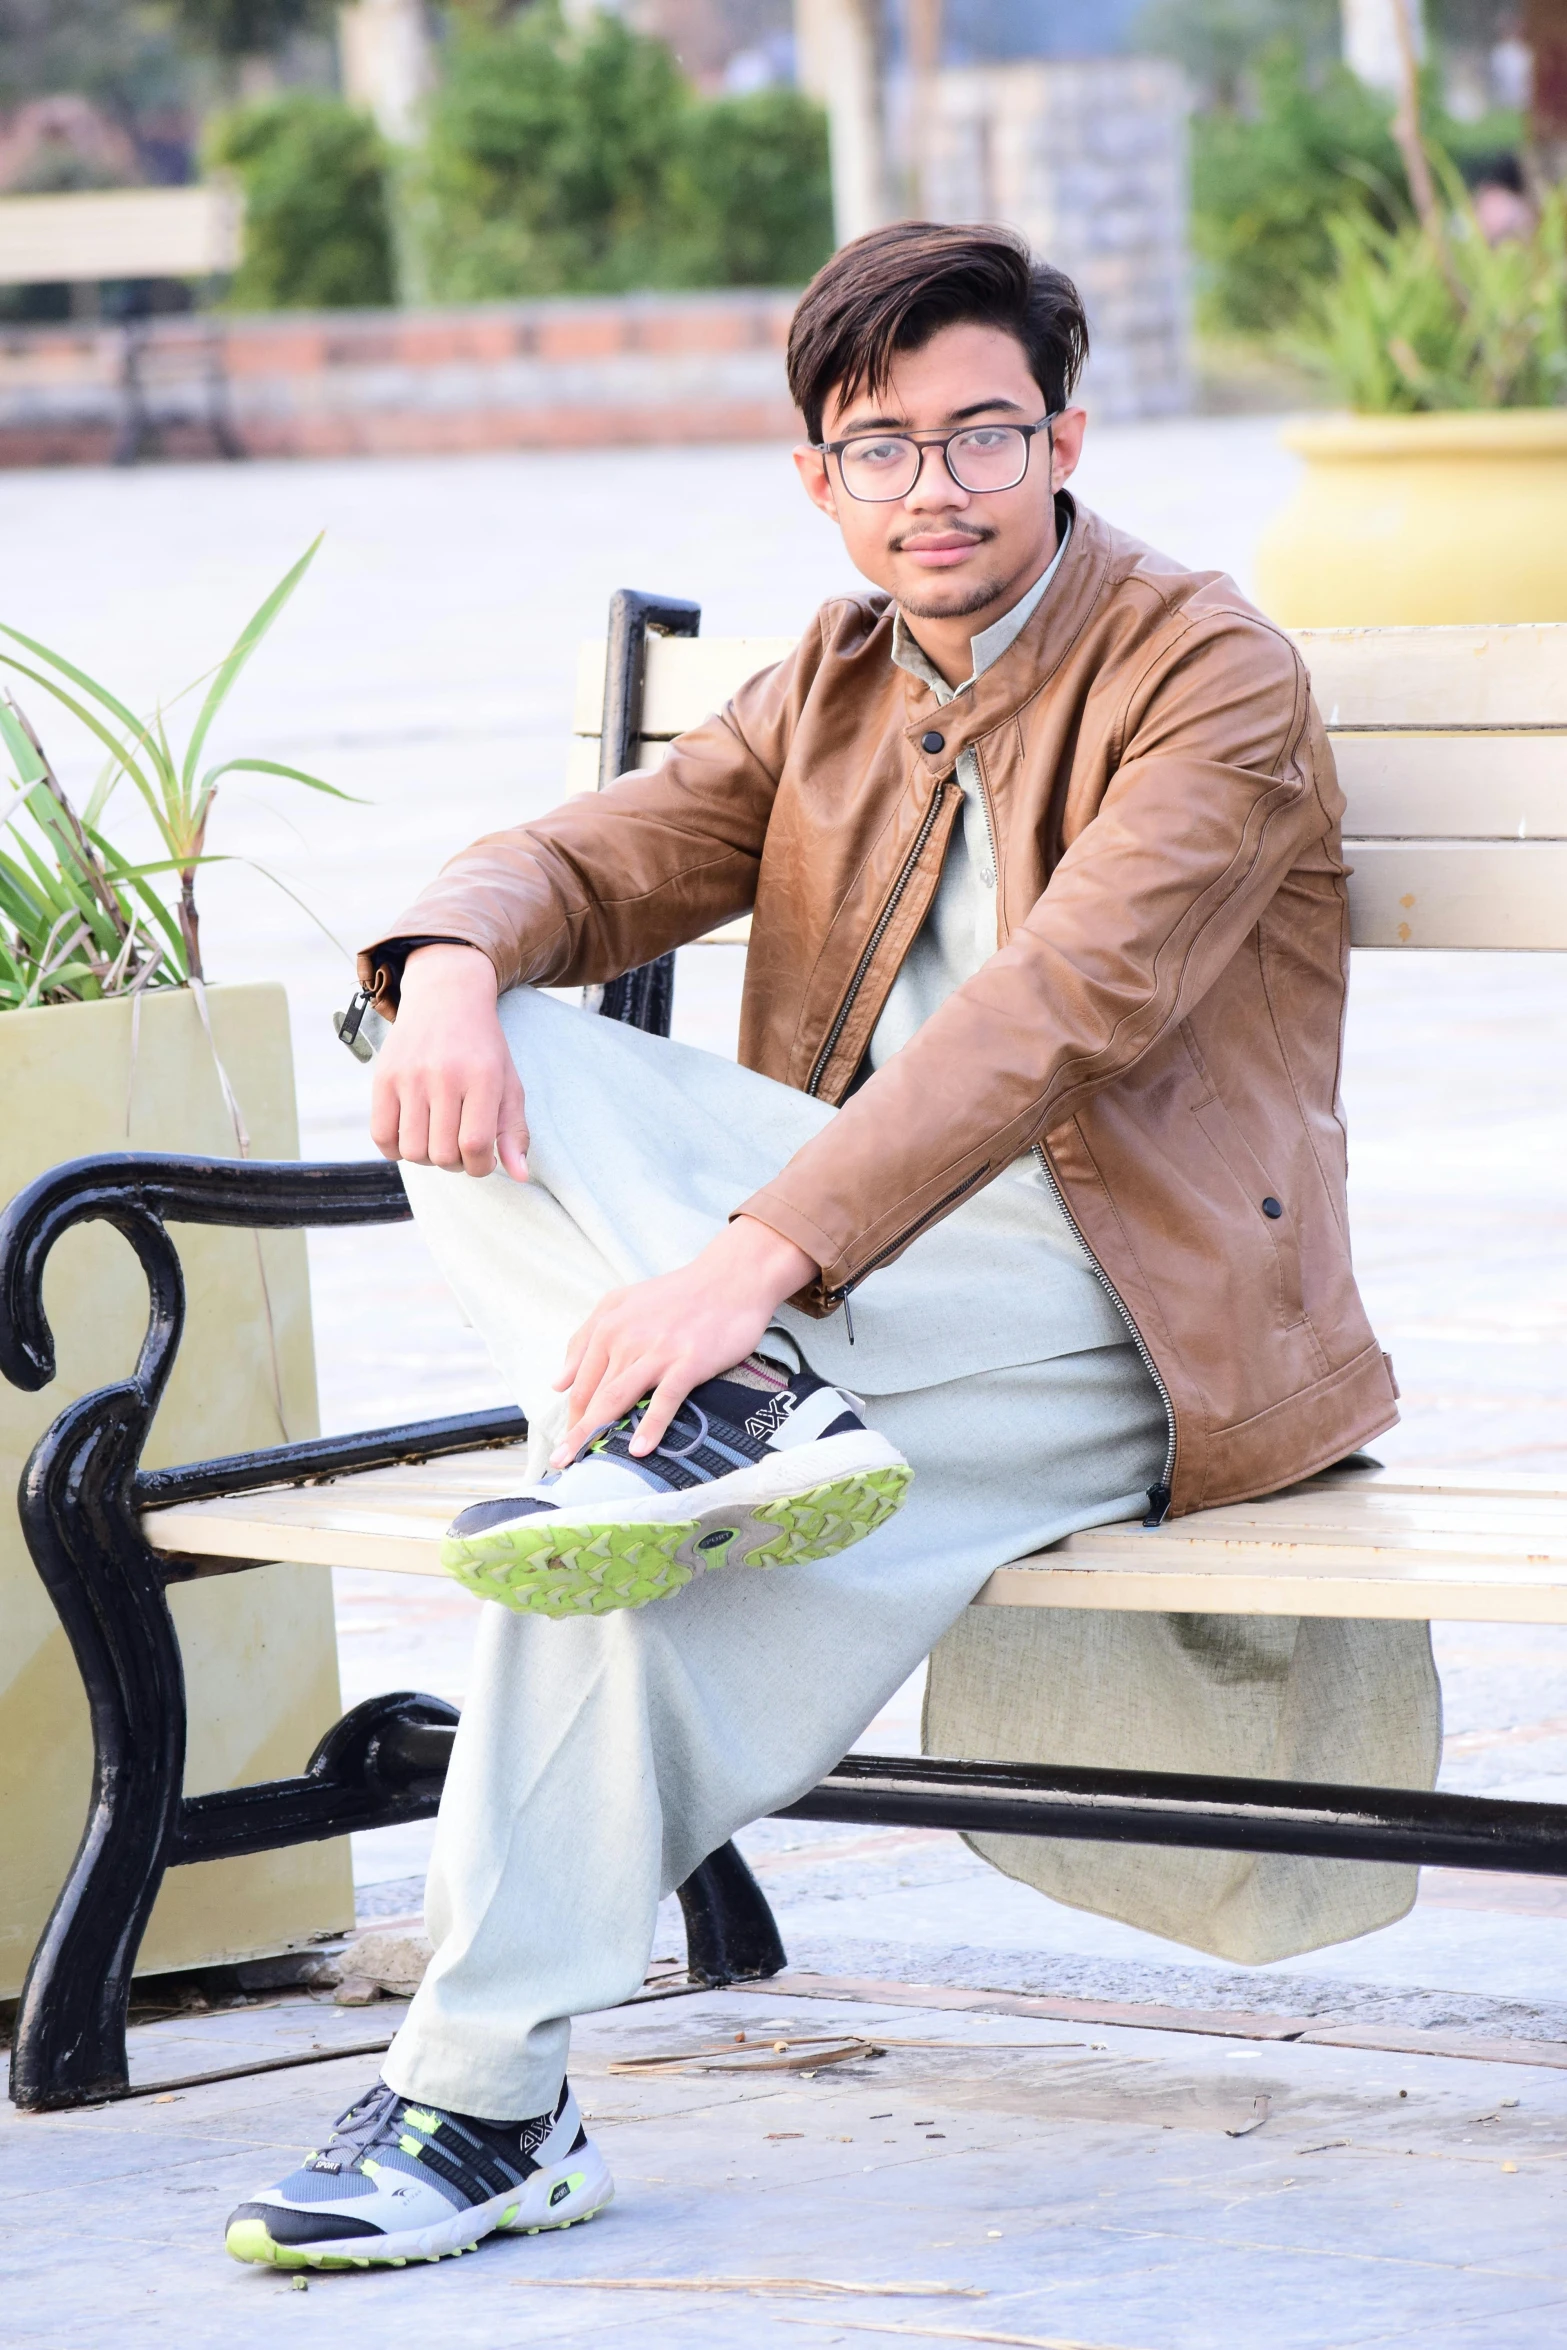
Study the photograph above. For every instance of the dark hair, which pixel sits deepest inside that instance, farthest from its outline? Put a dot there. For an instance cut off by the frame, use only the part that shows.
(1496, 171)
(892, 290)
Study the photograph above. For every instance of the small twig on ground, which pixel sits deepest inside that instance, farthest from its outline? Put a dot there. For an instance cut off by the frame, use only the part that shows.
(755, 2056)
(765, 2055)
(1261, 2108)
(863, 2325)
(762, 2285)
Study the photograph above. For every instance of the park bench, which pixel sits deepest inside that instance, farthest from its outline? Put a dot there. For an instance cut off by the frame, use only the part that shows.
(1452, 745)
(132, 238)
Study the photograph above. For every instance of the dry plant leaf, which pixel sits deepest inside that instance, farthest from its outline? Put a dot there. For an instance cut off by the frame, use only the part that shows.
(762, 2055)
(777, 2056)
(864, 2325)
(1261, 2108)
(761, 2285)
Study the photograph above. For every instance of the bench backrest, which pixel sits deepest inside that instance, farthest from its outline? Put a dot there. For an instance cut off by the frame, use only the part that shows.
(1451, 746)
(119, 232)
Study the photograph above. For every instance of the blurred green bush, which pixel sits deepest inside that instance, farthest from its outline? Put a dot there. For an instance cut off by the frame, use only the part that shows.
(754, 185)
(578, 160)
(1269, 179)
(318, 230)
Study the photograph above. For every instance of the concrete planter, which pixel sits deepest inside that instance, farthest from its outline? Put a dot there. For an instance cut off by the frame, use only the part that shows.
(260, 1649)
(1422, 520)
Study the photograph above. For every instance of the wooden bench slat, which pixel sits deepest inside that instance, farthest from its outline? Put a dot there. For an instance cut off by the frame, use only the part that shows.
(1381, 1544)
(87, 234)
(686, 678)
(1458, 838)
(1503, 787)
(1458, 893)
(1405, 678)
(1376, 1588)
(1438, 677)
(1508, 787)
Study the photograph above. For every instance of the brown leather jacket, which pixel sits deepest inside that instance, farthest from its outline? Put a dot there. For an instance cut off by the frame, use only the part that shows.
(1162, 1018)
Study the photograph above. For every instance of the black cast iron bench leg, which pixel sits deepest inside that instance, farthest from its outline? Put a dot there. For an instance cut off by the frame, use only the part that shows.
(81, 1496)
(80, 1501)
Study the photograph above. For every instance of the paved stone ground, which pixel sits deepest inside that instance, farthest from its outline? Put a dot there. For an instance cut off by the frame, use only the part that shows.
(1068, 2188)
(426, 665)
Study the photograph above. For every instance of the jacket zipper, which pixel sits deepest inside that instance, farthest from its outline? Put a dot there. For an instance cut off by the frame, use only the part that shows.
(840, 1297)
(877, 935)
(990, 835)
(1158, 1495)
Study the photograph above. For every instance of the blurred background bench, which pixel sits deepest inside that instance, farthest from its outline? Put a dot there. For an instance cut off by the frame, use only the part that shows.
(123, 242)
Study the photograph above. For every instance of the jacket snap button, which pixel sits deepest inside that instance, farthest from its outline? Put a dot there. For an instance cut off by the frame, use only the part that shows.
(933, 741)
(1271, 1207)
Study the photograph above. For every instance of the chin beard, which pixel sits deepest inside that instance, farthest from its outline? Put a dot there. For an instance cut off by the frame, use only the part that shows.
(972, 598)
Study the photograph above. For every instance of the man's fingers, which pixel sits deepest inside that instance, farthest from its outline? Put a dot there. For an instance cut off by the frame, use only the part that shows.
(587, 1380)
(446, 1105)
(476, 1139)
(575, 1349)
(386, 1111)
(511, 1150)
(592, 1363)
(413, 1126)
(582, 1338)
(668, 1396)
(601, 1403)
(511, 1134)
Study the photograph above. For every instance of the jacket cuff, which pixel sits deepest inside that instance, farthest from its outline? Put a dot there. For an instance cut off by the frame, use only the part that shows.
(381, 968)
(768, 1208)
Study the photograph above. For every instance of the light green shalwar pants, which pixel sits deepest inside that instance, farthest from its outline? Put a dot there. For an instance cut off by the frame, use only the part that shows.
(600, 1760)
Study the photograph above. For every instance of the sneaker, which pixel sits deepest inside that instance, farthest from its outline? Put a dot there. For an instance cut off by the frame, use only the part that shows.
(761, 1468)
(401, 2181)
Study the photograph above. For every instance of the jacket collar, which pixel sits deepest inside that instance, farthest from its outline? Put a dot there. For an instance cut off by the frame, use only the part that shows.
(987, 648)
(1029, 662)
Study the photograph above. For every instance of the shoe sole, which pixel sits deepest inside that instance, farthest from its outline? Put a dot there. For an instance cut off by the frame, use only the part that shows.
(591, 1566)
(531, 2213)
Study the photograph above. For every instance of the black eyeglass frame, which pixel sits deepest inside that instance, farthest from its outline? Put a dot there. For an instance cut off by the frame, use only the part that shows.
(943, 442)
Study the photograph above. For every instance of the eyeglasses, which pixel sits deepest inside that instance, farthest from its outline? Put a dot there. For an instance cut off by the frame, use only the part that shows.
(880, 467)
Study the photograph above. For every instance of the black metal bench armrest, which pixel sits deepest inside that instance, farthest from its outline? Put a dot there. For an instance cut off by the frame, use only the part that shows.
(138, 1192)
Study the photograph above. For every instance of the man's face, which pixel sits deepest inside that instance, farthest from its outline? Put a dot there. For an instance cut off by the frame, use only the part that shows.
(943, 552)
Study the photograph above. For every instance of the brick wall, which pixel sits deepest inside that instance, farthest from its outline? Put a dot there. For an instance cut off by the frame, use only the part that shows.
(516, 375)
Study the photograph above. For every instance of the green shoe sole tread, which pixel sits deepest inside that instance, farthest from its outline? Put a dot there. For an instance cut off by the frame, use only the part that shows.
(250, 2240)
(537, 1571)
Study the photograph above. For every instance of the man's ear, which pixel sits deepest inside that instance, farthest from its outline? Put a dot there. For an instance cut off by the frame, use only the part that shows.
(1067, 434)
(811, 466)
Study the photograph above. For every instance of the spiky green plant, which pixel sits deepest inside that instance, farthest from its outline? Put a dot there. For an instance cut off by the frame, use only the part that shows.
(78, 919)
(1427, 317)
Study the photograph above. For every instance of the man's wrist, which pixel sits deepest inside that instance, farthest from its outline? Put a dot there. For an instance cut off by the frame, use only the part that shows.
(448, 960)
(776, 1265)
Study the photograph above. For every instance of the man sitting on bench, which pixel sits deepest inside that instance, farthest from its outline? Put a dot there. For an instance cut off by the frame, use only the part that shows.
(1038, 1067)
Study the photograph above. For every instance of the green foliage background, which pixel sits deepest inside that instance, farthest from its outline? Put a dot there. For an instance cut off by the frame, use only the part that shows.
(1269, 180)
(580, 161)
(318, 231)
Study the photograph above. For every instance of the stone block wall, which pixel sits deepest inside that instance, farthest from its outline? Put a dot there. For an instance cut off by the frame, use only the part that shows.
(1088, 159)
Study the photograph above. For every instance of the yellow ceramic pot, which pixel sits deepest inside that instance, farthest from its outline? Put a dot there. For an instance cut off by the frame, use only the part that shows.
(260, 1650)
(1421, 520)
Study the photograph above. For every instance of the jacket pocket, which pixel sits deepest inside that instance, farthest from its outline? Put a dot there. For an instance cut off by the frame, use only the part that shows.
(1253, 1187)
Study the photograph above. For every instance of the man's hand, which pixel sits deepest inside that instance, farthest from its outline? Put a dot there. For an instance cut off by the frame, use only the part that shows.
(666, 1336)
(446, 1090)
